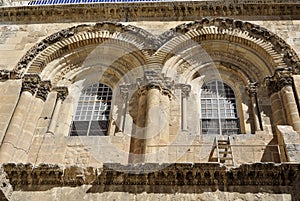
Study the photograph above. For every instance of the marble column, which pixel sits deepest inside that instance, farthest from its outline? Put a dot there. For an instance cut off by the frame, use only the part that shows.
(124, 93)
(33, 115)
(138, 142)
(289, 102)
(278, 113)
(185, 90)
(15, 127)
(281, 88)
(62, 93)
(252, 91)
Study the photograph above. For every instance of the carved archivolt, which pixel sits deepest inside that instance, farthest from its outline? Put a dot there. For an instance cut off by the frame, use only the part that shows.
(154, 51)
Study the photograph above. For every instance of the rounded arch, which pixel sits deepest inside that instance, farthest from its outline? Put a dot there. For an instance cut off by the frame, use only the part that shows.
(68, 50)
(250, 46)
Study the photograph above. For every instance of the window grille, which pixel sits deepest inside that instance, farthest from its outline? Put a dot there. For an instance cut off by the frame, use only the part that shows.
(92, 114)
(218, 109)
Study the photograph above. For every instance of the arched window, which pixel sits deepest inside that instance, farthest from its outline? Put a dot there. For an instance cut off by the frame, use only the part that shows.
(218, 109)
(92, 114)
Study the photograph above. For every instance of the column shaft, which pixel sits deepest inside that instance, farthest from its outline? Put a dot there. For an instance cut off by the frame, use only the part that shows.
(54, 118)
(15, 127)
(137, 142)
(290, 106)
(277, 109)
(256, 119)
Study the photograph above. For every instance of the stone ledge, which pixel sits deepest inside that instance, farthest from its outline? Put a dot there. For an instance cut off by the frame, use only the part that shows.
(27, 177)
(162, 11)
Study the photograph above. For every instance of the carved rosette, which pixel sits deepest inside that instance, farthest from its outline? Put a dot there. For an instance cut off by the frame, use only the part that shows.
(62, 92)
(30, 83)
(252, 89)
(43, 89)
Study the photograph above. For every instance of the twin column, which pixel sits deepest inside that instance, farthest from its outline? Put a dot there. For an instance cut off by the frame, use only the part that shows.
(19, 134)
(283, 102)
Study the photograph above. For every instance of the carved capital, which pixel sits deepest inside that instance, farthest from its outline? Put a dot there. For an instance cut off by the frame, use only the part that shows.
(271, 84)
(124, 90)
(62, 92)
(281, 78)
(43, 89)
(30, 83)
(185, 89)
(284, 77)
(252, 88)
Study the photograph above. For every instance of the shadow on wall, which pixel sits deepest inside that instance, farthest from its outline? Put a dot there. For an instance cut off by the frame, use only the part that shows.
(271, 152)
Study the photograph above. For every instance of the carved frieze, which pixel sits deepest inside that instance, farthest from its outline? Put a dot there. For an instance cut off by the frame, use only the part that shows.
(30, 83)
(27, 176)
(43, 89)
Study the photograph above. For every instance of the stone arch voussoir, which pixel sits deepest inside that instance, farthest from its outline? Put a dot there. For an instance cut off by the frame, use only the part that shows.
(67, 40)
(274, 50)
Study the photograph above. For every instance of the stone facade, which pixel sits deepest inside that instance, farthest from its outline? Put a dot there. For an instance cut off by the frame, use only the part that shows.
(159, 59)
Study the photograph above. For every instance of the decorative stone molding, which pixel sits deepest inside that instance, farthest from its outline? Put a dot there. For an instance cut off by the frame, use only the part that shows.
(124, 90)
(269, 44)
(7, 74)
(251, 32)
(144, 11)
(76, 33)
(284, 77)
(4, 74)
(30, 83)
(281, 78)
(252, 88)
(62, 92)
(155, 80)
(43, 90)
(27, 177)
(185, 89)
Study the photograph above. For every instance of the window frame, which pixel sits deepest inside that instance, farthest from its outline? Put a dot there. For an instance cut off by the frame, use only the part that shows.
(221, 117)
(91, 111)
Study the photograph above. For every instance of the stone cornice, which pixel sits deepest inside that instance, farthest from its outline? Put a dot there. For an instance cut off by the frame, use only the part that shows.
(162, 11)
(45, 176)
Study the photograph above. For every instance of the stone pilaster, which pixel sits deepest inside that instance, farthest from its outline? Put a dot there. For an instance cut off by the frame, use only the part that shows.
(252, 91)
